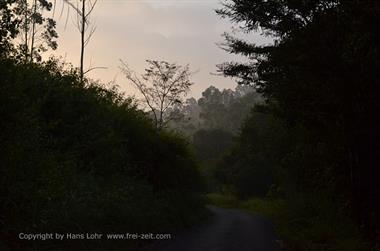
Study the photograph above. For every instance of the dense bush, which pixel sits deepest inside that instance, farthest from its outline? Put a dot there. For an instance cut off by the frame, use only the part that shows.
(78, 157)
(274, 169)
(253, 164)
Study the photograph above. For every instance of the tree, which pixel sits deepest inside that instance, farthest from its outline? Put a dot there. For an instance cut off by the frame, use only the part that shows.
(8, 26)
(37, 33)
(213, 109)
(163, 85)
(226, 109)
(83, 10)
(185, 117)
(320, 72)
(89, 152)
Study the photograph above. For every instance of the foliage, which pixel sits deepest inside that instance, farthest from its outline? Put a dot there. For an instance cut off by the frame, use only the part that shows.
(77, 157)
(211, 143)
(162, 85)
(320, 76)
(37, 32)
(8, 26)
(215, 110)
(299, 228)
(185, 117)
(212, 123)
(209, 146)
(253, 164)
(223, 200)
(226, 109)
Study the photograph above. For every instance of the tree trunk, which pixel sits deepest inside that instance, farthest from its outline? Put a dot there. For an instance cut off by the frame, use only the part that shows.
(26, 30)
(82, 39)
(33, 32)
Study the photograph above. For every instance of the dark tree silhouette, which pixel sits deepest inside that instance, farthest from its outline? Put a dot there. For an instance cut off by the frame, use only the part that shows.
(321, 72)
(162, 85)
(83, 10)
(37, 32)
(8, 26)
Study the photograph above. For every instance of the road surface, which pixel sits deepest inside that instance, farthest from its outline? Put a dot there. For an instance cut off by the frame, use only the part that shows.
(228, 230)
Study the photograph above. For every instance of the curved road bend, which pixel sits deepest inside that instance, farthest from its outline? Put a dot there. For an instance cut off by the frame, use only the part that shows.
(229, 230)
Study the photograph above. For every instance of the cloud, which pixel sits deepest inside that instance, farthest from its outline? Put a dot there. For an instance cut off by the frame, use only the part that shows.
(177, 31)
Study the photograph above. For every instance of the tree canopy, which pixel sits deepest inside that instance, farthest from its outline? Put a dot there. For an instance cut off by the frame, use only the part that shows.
(163, 85)
(321, 72)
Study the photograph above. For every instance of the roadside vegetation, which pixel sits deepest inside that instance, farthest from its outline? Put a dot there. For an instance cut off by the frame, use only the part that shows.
(308, 155)
(297, 228)
(297, 140)
(78, 156)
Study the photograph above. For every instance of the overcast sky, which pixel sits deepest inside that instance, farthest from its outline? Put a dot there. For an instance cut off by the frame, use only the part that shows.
(181, 31)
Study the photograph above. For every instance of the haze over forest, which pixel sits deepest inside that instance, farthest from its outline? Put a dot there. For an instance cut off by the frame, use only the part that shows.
(125, 139)
(179, 31)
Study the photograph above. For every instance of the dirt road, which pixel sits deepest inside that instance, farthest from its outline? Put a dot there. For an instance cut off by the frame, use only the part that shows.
(228, 230)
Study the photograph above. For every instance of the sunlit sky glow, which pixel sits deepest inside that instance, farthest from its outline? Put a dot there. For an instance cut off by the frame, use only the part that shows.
(181, 31)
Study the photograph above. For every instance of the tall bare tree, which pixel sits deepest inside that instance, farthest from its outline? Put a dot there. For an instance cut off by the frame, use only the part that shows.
(83, 10)
(163, 85)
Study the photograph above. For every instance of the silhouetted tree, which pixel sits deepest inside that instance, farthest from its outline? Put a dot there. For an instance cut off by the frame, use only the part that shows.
(227, 109)
(83, 10)
(8, 26)
(320, 72)
(162, 85)
(37, 32)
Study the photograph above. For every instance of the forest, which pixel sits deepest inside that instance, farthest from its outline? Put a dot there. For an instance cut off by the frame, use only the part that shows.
(297, 140)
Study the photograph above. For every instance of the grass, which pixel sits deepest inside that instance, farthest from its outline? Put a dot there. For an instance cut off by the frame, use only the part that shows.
(221, 200)
(300, 228)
